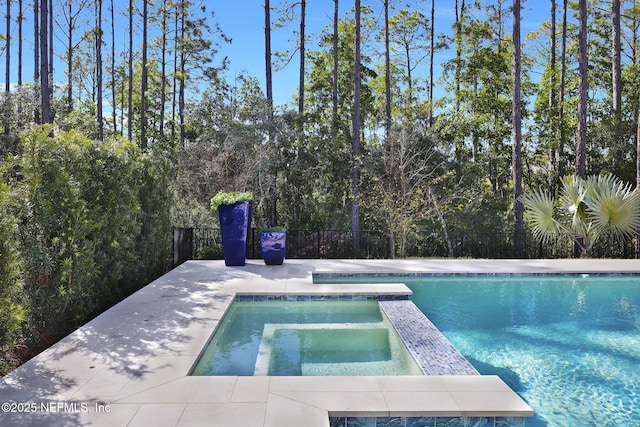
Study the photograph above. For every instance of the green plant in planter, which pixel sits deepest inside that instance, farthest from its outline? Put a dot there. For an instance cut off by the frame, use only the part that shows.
(234, 212)
(229, 198)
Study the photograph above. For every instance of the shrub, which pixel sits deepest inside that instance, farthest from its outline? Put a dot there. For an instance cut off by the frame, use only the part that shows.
(213, 252)
(11, 310)
(92, 220)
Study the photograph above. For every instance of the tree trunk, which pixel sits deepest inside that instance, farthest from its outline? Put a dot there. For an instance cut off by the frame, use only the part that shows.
(130, 88)
(431, 56)
(45, 91)
(267, 55)
(143, 86)
(334, 94)
(517, 135)
(407, 52)
(70, 57)
(443, 223)
(634, 61)
(583, 88)
(183, 13)
(99, 69)
(616, 65)
(616, 77)
(113, 71)
(460, 8)
(581, 149)
(7, 73)
(273, 215)
(20, 18)
(355, 179)
(552, 102)
(638, 148)
(163, 89)
(303, 6)
(36, 57)
(563, 72)
(387, 70)
(176, 49)
(50, 60)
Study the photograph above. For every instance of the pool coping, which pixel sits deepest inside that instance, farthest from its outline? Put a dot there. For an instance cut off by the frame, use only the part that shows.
(129, 365)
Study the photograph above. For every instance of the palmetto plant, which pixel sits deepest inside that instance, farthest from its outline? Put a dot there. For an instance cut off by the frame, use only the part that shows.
(585, 210)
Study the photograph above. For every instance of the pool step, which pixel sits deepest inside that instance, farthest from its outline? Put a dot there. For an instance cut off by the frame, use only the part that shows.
(293, 336)
(348, 349)
(361, 369)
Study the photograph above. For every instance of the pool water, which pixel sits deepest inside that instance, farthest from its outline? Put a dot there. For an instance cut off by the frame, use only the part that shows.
(569, 345)
(305, 338)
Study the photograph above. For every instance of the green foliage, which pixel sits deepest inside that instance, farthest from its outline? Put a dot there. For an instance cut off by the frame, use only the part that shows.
(315, 184)
(214, 252)
(229, 128)
(399, 187)
(587, 210)
(476, 119)
(81, 119)
(11, 310)
(540, 214)
(92, 224)
(229, 198)
(154, 241)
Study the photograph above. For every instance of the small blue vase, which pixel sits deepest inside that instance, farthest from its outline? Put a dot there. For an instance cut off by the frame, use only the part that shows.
(274, 245)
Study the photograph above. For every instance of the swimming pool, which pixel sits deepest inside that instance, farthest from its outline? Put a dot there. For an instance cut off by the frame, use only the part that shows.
(568, 344)
(305, 338)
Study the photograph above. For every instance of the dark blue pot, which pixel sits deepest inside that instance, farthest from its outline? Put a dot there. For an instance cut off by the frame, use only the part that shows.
(274, 245)
(234, 227)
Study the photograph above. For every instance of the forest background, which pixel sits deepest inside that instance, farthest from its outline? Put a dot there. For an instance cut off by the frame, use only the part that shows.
(122, 119)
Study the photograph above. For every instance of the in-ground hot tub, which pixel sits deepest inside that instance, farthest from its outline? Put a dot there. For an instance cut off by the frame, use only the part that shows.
(305, 338)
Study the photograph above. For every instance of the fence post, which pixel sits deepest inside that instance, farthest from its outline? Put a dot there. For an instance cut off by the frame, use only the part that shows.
(182, 245)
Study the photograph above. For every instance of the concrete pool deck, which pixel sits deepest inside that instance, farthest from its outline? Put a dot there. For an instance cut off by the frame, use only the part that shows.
(129, 365)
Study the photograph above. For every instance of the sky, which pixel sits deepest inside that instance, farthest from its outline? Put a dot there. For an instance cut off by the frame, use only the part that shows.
(246, 28)
(243, 22)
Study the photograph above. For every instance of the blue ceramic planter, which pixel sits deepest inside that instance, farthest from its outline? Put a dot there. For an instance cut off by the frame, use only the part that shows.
(234, 227)
(273, 244)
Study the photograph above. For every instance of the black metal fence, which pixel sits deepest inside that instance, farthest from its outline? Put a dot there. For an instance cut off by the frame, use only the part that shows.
(206, 243)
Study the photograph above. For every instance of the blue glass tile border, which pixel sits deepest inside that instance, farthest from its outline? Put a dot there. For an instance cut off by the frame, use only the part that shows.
(327, 275)
(427, 421)
(431, 350)
(333, 297)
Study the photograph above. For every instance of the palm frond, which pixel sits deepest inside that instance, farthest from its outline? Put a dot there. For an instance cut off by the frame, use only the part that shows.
(572, 200)
(539, 210)
(613, 206)
(591, 207)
